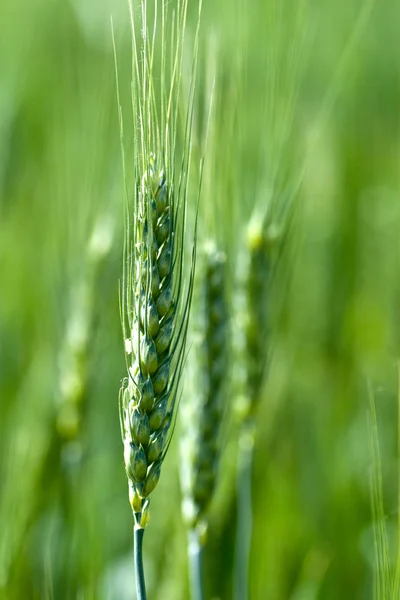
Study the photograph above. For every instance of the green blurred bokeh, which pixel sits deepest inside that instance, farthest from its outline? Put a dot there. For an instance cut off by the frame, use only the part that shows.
(306, 107)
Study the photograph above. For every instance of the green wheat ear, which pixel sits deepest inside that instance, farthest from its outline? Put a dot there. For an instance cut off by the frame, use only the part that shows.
(156, 288)
(263, 241)
(253, 346)
(157, 313)
(204, 405)
(157, 282)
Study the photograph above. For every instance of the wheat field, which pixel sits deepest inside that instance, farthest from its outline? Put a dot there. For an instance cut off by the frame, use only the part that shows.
(296, 115)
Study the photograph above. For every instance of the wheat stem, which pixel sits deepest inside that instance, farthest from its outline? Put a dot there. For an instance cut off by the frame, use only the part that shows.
(244, 512)
(195, 556)
(138, 534)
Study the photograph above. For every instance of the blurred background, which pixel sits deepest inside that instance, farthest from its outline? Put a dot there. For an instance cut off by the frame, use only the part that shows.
(306, 109)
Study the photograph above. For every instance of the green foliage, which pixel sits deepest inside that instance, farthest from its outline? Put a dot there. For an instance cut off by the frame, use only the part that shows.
(305, 111)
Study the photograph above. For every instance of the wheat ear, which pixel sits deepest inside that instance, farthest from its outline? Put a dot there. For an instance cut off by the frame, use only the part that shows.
(158, 311)
(204, 407)
(155, 293)
(155, 346)
(254, 350)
